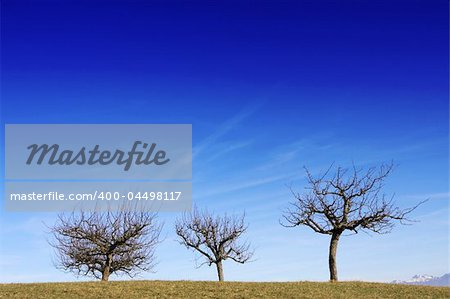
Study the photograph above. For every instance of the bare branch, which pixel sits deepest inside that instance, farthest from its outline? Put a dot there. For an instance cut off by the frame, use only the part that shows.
(346, 200)
(102, 243)
(215, 237)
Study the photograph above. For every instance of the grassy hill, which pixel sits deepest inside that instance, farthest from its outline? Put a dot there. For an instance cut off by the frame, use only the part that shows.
(208, 289)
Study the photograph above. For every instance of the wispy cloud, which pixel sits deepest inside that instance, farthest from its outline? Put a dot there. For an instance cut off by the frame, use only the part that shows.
(233, 186)
(227, 149)
(296, 151)
(429, 196)
(223, 129)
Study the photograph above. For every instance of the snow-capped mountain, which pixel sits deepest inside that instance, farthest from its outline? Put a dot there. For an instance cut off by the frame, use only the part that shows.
(430, 280)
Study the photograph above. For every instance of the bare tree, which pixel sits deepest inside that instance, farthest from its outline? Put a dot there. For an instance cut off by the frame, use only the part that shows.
(345, 201)
(214, 237)
(102, 243)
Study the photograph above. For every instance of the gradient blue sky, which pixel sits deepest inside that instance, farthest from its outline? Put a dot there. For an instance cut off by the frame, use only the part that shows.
(268, 87)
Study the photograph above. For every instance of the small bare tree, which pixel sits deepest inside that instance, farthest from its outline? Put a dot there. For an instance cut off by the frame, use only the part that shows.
(215, 237)
(345, 201)
(102, 243)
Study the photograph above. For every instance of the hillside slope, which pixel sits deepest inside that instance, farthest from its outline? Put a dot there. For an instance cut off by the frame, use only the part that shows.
(203, 289)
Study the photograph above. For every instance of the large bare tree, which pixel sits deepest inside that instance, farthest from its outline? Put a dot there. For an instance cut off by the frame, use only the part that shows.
(216, 238)
(345, 200)
(102, 243)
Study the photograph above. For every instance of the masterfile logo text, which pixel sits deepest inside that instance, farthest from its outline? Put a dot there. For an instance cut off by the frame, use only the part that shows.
(52, 154)
(159, 152)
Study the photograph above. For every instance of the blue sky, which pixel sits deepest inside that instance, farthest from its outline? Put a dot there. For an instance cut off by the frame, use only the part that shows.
(268, 88)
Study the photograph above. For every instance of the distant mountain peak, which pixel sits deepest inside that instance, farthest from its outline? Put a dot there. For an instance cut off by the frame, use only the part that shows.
(425, 279)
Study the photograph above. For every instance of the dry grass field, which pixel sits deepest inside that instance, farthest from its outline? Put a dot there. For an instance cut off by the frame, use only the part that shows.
(208, 289)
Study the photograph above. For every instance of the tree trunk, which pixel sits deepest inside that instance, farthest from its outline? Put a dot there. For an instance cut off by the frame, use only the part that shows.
(219, 270)
(332, 256)
(105, 273)
(107, 268)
